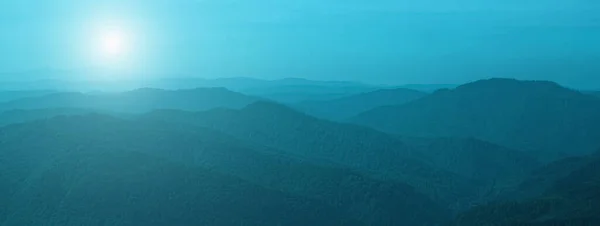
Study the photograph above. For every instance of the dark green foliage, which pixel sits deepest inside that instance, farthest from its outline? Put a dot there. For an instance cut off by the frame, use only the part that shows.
(571, 198)
(124, 188)
(346, 107)
(371, 201)
(545, 177)
(542, 118)
(141, 100)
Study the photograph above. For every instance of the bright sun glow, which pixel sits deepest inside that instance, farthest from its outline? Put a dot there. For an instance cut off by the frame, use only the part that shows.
(112, 44)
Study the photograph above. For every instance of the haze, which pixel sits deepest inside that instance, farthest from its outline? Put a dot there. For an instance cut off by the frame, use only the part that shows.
(376, 42)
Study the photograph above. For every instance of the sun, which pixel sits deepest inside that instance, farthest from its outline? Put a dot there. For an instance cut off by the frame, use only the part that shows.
(112, 44)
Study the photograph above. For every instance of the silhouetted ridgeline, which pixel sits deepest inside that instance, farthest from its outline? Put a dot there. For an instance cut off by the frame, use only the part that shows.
(541, 118)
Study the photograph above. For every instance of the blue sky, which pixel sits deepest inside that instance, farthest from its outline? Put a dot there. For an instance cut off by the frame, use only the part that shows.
(376, 41)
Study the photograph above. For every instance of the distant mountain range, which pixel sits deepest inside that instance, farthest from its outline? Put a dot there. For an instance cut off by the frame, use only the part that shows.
(140, 100)
(346, 107)
(288, 90)
(542, 118)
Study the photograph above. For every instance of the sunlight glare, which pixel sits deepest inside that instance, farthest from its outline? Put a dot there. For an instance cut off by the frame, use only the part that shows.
(112, 44)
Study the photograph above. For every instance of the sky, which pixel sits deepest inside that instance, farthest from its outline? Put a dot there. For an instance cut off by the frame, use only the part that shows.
(372, 41)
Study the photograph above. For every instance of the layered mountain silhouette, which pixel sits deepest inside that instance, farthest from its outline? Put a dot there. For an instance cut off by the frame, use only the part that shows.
(346, 107)
(569, 194)
(491, 152)
(541, 118)
(140, 154)
(137, 101)
(378, 154)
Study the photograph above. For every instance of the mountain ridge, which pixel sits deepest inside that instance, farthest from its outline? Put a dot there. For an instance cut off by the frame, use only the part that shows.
(542, 118)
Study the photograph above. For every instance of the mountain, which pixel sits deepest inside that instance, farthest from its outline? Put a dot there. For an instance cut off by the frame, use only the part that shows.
(596, 94)
(6, 96)
(541, 118)
(346, 107)
(336, 144)
(570, 198)
(370, 201)
(141, 100)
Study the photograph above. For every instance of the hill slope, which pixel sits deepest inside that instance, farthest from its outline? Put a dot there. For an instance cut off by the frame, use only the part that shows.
(346, 107)
(98, 186)
(368, 200)
(542, 118)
